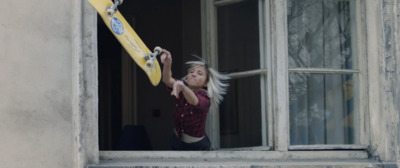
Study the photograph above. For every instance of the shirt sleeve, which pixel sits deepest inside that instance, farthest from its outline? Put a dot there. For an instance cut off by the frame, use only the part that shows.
(204, 100)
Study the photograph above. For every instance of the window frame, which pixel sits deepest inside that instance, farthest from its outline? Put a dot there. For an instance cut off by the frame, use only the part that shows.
(274, 72)
(358, 33)
(209, 22)
(85, 95)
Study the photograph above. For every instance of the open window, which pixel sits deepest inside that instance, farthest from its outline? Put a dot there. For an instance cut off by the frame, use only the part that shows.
(133, 114)
(243, 114)
(306, 70)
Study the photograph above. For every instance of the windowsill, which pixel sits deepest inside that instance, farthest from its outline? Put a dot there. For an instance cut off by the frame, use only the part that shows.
(264, 155)
(234, 158)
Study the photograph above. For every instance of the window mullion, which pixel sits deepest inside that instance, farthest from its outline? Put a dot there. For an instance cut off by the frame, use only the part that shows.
(263, 77)
(209, 50)
(360, 13)
(280, 88)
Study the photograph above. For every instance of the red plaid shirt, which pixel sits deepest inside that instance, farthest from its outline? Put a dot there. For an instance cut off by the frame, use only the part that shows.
(190, 119)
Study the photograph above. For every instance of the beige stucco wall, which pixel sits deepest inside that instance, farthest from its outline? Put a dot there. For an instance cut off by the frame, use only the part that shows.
(35, 84)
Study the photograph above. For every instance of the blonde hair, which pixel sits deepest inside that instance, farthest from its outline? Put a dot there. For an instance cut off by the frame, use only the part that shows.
(216, 82)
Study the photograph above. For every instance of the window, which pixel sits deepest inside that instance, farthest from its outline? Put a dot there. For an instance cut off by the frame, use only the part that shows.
(323, 72)
(280, 79)
(243, 113)
(295, 85)
(297, 75)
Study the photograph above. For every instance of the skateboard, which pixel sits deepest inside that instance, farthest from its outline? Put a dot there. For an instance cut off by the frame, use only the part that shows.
(128, 38)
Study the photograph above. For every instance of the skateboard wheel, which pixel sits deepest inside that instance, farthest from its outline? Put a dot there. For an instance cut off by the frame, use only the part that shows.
(158, 49)
(120, 1)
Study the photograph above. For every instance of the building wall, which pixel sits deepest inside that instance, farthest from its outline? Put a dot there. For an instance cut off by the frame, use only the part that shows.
(383, 72)
(397, 77)
(35, 84)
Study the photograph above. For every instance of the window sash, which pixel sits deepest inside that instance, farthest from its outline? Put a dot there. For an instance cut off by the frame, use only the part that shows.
(275, 78)
(263, 72)
(358, 51)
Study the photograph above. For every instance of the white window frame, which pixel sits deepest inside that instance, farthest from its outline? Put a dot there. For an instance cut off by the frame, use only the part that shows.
(359, 47)
(209, 22)
(274, 73)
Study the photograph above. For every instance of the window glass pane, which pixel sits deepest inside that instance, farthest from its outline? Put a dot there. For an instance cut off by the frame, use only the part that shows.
(240, 114)
(238, 37)
(320, 34)
(238, 50)
(323, 109)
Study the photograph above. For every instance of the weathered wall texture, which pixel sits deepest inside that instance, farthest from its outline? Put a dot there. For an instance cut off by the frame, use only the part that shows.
(84, 84)
(397, 72)
(35, 84)
(383, 60)
(387, 73)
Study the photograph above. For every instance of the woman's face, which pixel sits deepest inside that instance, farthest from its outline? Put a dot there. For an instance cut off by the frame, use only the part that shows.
(197, 77)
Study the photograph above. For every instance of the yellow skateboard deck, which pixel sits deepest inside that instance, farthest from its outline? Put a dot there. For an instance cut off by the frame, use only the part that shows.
(129, 39)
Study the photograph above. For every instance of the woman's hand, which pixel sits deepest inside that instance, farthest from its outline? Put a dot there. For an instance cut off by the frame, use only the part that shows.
(188, 94)
(166, 58)
(179, 86)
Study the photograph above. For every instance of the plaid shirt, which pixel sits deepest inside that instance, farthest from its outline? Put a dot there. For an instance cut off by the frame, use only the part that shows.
(190, 119)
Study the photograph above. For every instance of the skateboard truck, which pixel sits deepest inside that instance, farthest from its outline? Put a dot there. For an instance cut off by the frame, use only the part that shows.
(111, 10)
(150, 57)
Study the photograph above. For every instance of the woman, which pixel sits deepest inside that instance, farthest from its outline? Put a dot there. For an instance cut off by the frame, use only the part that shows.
(201, 88)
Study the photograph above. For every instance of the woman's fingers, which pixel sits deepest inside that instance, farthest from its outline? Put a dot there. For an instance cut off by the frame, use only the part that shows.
(177, 89)
(166, 57)
(175, 92)
(162, 57)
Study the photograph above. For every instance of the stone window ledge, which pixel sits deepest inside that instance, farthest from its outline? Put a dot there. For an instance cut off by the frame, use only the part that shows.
(126, 159)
